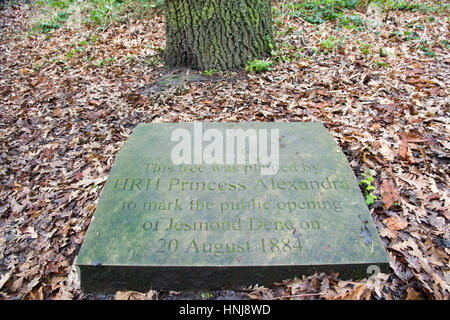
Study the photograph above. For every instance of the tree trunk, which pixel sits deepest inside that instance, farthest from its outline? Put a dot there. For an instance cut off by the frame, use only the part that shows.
(217, 34)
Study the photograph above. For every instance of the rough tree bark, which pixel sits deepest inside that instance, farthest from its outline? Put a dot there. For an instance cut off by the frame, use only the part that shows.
(217, 34)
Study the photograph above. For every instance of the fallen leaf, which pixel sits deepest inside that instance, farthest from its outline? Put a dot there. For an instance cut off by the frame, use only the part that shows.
(135, 295)
(358, 291)
(386, 152)
(57, 112)
(4, 277)
(405, 151)
(412, 294)
(389, 194)
(95, 103)
(395, 223)
(126, 295)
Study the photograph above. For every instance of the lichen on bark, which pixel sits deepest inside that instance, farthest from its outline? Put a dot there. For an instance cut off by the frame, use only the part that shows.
(217, 34)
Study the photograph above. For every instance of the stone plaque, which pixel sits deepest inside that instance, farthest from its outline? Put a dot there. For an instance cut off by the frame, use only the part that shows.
(205, 205)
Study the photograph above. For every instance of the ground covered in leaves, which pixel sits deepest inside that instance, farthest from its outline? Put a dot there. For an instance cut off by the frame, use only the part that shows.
(69, 99)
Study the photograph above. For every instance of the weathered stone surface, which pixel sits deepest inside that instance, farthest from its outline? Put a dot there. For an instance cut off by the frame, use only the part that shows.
(161, 225)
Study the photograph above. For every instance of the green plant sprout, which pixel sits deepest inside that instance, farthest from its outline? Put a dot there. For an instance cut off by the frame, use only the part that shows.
(258, 66)
(209, 72)
(381, 64)
(328, 44)
(365, 48)
(206, 295)
(368, 187)
(102, 62)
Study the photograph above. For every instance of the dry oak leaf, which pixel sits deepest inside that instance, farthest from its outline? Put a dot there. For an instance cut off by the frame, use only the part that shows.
(358, 292)
(57, 112)
(386, 152)
(147, 78)
(389, 194)
(4, 278)
(95, 103)
(395, 223)
(412, 294)
(135, 295)
(405, 151)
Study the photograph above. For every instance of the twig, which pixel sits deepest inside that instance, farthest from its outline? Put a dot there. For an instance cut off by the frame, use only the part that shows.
(423, 34)
(299, 295)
